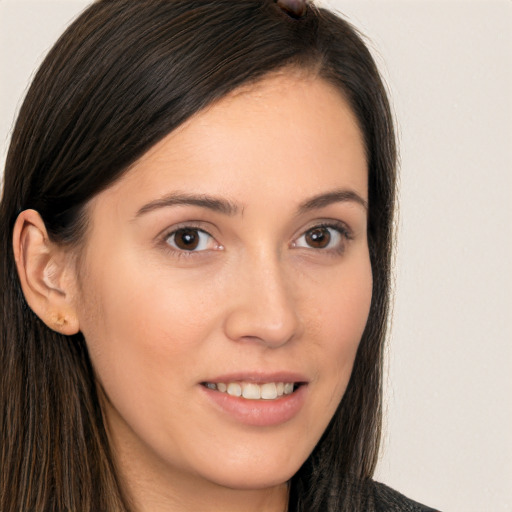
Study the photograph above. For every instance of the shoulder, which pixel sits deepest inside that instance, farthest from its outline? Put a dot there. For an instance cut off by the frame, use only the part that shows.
(389, 500)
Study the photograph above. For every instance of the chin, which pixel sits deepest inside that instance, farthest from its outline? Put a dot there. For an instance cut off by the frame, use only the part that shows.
(252, 480)
(270, 466)
(252, 473)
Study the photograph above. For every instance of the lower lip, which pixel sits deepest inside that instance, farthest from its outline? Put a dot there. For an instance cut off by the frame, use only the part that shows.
(260, 413)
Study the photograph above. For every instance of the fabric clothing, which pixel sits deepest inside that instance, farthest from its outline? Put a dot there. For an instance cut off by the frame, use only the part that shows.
(389, 500)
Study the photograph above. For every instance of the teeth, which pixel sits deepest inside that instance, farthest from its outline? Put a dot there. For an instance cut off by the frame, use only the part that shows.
(234, 389)
(253, 391)
(269, 391)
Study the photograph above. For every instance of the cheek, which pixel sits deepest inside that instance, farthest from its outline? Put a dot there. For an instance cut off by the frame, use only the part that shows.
(138, 324)
(340, 301)
(340, 316)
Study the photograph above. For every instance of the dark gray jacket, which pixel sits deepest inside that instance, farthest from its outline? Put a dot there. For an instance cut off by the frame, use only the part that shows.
(388, 500)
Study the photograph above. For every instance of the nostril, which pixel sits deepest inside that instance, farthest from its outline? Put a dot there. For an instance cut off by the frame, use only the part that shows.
(254, 325)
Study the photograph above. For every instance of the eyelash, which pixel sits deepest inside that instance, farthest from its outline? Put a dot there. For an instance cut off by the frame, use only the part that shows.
(183, 253)
(340, 228)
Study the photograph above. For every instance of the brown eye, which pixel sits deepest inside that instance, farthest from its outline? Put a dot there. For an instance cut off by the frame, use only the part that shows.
(190, 239)
(321, 237)
(186, 239)
(318, 238)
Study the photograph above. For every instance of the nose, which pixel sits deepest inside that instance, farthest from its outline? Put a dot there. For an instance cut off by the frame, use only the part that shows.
(262, 305)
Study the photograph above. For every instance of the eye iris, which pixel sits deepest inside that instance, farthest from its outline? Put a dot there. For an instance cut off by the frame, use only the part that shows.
(186, 239)
(318, 238)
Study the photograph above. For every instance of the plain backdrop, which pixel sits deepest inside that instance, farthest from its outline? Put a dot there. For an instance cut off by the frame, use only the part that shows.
(448, 65)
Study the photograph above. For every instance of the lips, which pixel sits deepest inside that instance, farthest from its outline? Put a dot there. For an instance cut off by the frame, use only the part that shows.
(257, 399)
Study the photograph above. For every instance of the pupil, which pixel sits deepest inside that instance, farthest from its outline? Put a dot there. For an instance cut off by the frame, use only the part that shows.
(187, 239)
(318, 238)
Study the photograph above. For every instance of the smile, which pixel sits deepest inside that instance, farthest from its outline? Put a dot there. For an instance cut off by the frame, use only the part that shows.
(258, 400)
(253, 391)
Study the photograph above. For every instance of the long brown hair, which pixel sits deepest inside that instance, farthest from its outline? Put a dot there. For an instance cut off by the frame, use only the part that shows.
(124, 75)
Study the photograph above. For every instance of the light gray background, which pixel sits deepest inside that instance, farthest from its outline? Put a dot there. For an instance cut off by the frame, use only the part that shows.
(448, 436)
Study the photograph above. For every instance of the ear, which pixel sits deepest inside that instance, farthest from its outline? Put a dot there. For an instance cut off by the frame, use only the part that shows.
(47, 274)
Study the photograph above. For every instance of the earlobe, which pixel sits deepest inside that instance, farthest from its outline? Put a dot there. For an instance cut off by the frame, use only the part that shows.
(46, 274)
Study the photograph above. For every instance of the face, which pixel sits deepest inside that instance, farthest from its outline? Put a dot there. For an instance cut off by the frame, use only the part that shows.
(231, 259)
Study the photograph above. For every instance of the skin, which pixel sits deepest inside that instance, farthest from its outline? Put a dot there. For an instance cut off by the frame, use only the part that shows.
(256, 296)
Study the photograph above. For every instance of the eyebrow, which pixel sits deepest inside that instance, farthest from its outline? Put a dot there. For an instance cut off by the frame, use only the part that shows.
(328, 198)
(203, 201)
(230, 208)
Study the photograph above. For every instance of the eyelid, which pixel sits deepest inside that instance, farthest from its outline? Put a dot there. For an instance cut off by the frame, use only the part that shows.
(193, 226)
(340, 227)
(336, 224)
(200, 242)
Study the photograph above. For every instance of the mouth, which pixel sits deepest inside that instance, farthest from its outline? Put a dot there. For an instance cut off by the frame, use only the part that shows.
(253, 390)
(258, 399)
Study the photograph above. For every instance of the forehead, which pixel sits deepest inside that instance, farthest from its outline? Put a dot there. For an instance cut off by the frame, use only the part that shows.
(289, 132)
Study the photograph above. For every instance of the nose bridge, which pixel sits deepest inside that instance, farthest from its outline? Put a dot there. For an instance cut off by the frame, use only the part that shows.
(263, 306)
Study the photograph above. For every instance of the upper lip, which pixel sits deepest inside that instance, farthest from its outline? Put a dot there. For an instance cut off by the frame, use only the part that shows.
(259, 377)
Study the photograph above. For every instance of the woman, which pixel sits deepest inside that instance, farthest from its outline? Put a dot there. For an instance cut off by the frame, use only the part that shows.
(196, 238)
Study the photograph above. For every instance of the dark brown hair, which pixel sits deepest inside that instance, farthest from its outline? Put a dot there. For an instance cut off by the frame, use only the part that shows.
(124, 75)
